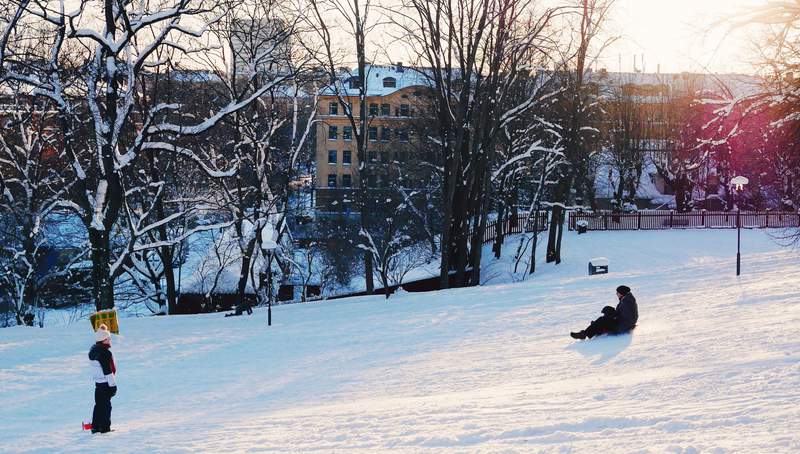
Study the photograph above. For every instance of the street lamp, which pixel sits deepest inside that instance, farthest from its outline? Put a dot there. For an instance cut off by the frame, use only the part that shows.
(738, 183)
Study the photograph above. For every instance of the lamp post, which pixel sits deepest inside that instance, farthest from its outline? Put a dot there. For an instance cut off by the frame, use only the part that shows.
(738, 184)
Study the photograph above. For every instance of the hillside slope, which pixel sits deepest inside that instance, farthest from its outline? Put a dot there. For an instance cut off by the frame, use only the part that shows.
(714, 365)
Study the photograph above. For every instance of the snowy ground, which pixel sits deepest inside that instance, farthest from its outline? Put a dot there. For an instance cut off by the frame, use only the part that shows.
(713, 367)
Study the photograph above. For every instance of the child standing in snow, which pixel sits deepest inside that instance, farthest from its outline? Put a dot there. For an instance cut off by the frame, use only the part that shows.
(614, 321)
(105, 387)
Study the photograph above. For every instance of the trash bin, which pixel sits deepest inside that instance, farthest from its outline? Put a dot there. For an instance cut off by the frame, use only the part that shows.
(582, 226)
(598, 265)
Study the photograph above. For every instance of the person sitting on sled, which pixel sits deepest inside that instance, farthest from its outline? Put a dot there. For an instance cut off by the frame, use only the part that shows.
(105, 387)
(614, 321)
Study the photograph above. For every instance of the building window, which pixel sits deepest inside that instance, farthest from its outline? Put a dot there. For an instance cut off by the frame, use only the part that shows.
(386, 134)
(346, 157)
(372, 181)
(333, 108)
(373, 133)
(402, 134)
(347, 133)
(386, 110)
(389, 82)
(354, 82)
(347, 181)
(372, 155)
(331, 180)
(396, 156)
(333, 132)
(332, 157)
(373, 109)
(405, 110)
(385, 157)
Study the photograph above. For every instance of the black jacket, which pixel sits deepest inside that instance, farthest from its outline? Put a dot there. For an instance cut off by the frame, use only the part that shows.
(627, 313)
(103, 368)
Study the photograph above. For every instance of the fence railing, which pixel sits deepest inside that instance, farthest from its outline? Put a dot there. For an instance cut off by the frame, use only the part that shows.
(517, 224)
(666, 219)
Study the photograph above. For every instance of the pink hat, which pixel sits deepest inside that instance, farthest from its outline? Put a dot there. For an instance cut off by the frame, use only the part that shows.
(102, 333)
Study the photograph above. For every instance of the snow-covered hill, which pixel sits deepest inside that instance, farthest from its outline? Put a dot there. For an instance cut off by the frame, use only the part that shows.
(714, 365)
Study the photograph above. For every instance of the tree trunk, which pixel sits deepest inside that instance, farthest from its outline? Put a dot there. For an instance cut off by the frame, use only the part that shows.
(499, 229)
(165, 252)
(244, 272)
(448, 225)
(368, 272)
(477, 252)
(102, 284)
(554, 241)
(560, 219)
(103, 281)
(533, 250)
(481, 208)
(385, 279)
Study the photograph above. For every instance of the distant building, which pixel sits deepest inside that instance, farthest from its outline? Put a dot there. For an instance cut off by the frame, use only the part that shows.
(395, 95)
(659, 99)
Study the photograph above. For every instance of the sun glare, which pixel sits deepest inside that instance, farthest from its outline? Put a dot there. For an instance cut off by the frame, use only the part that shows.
(680, 35)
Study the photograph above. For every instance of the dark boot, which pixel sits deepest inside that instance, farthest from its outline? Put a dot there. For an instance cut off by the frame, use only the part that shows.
(594, 330)
(579, 335)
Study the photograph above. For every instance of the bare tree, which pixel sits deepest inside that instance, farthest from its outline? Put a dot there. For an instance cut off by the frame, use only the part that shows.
(356, 20)
(628, 135)
(765, 120)
(259, 48)
(529, 152)
(680, 128)
(31, 191)
(576, 183)
(478, 53)
(393, 244)
(95, 97)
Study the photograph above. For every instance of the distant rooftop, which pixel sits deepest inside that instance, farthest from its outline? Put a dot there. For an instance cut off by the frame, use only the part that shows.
(382, 80)
(738, 84)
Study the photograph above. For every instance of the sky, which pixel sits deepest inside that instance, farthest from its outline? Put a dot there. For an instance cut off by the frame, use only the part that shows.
(680, 35)
(672, 35)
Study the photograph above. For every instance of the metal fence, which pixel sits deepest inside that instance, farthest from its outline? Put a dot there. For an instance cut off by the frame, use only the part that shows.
(667, 219)
(517, 224)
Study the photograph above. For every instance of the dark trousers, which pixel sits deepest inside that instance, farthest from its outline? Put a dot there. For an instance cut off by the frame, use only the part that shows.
(603, 325)
(101, 416)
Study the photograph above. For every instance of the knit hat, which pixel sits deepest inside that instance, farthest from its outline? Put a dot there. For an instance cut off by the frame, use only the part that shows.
(102, 334)
(623, 290)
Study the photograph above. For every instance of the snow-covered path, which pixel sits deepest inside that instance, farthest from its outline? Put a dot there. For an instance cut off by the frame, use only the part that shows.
(714, 365)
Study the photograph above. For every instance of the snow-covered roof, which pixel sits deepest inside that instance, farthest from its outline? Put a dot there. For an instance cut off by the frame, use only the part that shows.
(378, 77)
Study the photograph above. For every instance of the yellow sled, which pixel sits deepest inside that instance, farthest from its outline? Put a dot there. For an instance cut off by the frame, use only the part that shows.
(107, 317)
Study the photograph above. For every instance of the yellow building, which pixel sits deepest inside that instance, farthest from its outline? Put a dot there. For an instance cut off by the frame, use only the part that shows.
(395, 94)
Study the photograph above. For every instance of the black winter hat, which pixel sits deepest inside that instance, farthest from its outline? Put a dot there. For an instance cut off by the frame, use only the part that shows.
(623, 290)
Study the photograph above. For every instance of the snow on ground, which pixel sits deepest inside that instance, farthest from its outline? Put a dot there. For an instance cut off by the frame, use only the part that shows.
(713, 367)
